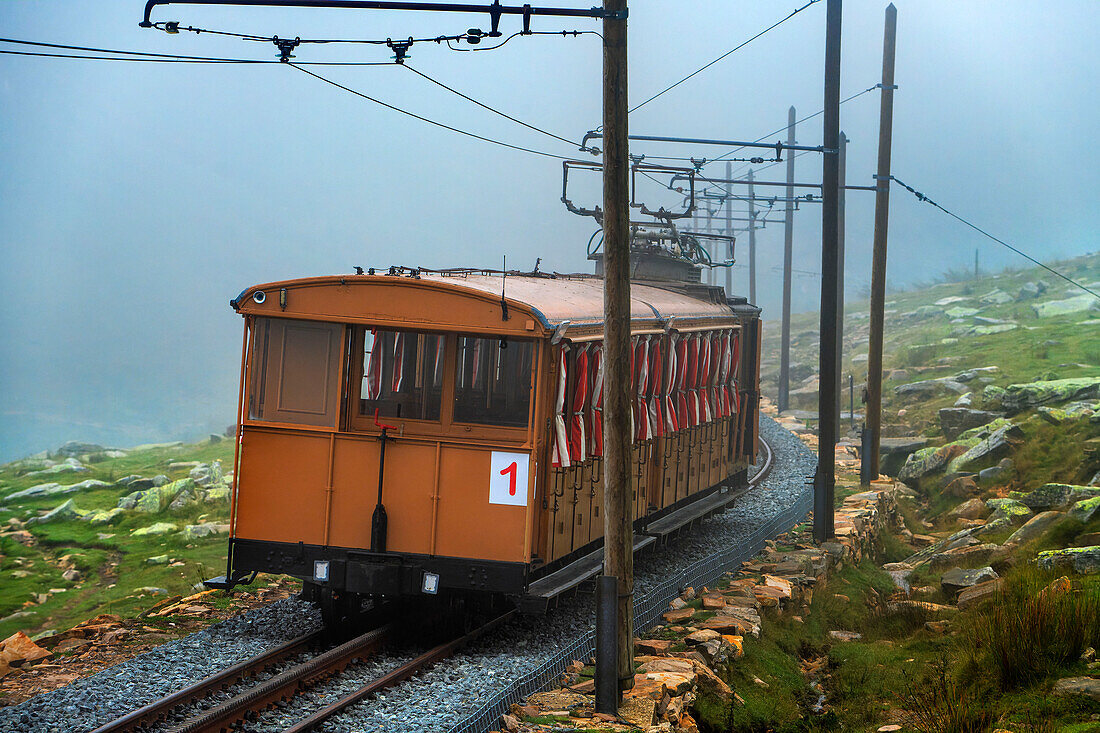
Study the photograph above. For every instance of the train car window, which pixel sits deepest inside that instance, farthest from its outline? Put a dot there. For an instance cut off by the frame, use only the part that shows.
(295, 372)
(402, 374)
(493, 381)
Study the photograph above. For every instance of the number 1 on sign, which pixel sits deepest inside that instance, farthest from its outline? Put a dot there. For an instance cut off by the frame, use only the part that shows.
(511, 473)
(509, 478)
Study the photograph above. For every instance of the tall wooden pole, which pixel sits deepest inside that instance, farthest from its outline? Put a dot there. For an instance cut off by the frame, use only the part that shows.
(729, 229)
(842, 156)
(825, 480)
(752, 242)
(618, 500)
(788, 260)
(882, 218)
(710, 245)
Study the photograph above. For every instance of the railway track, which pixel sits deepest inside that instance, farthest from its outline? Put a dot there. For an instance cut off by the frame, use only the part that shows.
(300, 677)
(286, 684)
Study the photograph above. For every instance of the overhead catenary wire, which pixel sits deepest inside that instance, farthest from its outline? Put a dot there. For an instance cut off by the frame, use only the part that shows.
(487, 107)
(783, 129)
(738, 47)
(111, 54)
(921, 197)
(467, 133)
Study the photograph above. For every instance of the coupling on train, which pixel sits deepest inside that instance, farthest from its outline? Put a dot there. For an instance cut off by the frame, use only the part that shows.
(413, 433)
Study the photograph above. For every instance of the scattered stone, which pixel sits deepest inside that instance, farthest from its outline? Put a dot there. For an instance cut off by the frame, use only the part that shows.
(1071, 686)
(996, 296)
(995, 441)
(1034, 527)
(998, 472)
(154, 529)
(157, 560)
(1031, 290)
(1084, 510)
(959, 556)
(1018, 397)
(1082, 560)
(1075, 304)
(1008, 509)
(104, 517)
(1058, 496)
(65, 512)
(958, 579)
(956, 420)
(151, 590)
(845, 636)
(970, 509)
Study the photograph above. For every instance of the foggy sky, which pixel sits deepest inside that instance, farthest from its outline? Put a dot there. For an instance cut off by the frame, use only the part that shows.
(137, 199)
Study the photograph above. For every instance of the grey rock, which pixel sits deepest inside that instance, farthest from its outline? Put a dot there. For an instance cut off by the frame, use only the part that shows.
(1057, 496)
(958, 579)
(64, 512)
(1078, 686)
(75, 448)
(1035, 527)
(1082, 560)
(956, 420)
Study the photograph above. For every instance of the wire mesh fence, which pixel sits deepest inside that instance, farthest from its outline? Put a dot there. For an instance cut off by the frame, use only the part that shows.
(647, 610)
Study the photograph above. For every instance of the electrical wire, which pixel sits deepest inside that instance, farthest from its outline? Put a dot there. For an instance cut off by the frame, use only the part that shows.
(120, 55)
(163, 26)
(487, 107)
(521, 33)
(131, 58)
(727, 53)
(921, 197)
(424, 119)
(796, 122)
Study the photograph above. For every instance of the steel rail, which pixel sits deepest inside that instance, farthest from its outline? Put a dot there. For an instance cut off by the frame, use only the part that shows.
(159, 709)
(400, 674)
(766, 469)
(286, 684)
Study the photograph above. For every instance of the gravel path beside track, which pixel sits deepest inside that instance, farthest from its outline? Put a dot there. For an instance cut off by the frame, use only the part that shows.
(438, 699)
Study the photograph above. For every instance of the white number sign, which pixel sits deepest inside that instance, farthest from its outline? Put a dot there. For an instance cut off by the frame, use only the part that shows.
(508, 478)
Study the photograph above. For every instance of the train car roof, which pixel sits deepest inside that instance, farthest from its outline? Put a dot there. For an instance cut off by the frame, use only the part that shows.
(551, 299)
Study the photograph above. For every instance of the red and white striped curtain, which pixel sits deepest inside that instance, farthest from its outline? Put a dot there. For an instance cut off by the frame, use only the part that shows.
(654, 388)
(398, 361)
(716, 356)
(723, 374)
(560, 451)
(683, 420)
(670, 386)
(642, 430)
(735, 368)
(578, 443)
(372, 369)
(693, 404)
(597, 400)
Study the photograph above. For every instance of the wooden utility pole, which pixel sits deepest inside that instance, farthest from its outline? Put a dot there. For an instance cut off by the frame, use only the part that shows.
(825, 480)
(729, 231)
(878, 267)
(842, 156)
(752, 242)
(710, 245)
(788, 258)
(618, 509)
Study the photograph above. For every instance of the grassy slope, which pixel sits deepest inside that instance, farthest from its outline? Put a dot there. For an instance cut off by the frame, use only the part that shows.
(1023, 354)
(112, 567)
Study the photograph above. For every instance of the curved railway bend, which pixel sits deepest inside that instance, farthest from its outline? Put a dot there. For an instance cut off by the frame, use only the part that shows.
(446, 696)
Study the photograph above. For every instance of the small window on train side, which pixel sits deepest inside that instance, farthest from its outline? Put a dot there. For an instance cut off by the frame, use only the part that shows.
(402, 374)
(295, 372)
(493, 381)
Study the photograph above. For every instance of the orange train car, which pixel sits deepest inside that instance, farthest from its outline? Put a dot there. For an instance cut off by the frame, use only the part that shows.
(413, 432)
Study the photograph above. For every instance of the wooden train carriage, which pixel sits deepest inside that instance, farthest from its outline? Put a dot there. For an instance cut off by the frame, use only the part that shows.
(488, 474)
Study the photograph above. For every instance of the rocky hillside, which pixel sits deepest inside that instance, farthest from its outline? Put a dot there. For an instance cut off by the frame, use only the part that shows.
(86, 530)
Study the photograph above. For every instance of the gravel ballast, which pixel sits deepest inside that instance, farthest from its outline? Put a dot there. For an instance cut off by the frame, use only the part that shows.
(437, 700)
